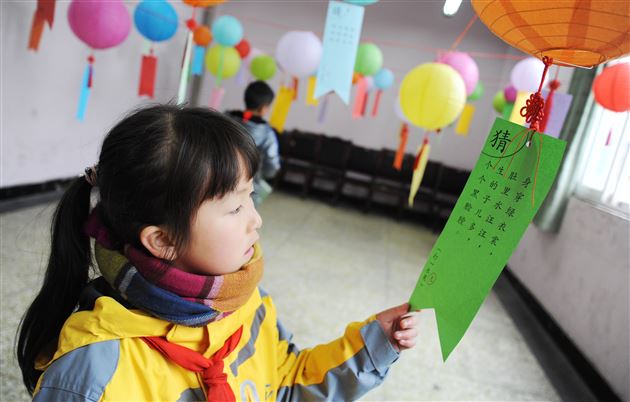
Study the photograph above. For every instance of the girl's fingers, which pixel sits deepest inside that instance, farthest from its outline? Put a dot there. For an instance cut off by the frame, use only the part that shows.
(408, 321)
(407, 343)
(406, 334)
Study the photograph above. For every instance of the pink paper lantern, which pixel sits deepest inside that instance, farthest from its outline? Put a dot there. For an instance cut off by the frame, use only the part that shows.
(100, 24)
(510, 93)
(465, 66)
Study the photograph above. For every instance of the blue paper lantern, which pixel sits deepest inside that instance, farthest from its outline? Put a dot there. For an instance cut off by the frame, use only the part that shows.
(384, 78)
(227, 31)
(156, 20)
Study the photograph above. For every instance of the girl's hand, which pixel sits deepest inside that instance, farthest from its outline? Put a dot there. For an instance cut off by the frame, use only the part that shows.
(400, 326)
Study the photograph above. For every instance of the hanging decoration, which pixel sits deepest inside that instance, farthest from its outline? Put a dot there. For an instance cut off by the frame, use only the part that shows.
(369, 61)
(403, 136)
(263, 67)
(432, 95)
(298, 53)
(577, 34)
(157, 21)
(202, 37)
(341, 39)
(281, 108)
(100, 25)
(44, 14)
(383, 80)
(465, 119)
(311, 100)
(525, 73)
(612, 88)
(469, 71)
(419, 166)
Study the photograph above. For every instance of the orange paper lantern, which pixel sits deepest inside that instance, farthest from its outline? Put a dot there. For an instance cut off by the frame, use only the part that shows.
(571, 32)
(203, 3)
(612, 88)
(202, 36)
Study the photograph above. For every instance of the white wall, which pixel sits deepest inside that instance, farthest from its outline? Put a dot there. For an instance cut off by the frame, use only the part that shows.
(581, 276)
(42, 140)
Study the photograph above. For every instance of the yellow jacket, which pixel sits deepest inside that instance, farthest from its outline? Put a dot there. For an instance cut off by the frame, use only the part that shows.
(101, 357)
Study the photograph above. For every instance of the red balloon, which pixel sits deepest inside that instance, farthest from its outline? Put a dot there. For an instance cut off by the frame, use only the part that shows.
(612, 88)
(243, 48)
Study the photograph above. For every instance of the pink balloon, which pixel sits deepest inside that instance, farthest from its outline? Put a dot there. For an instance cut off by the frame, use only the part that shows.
(465, 66)
(100, 24)
(509, 93)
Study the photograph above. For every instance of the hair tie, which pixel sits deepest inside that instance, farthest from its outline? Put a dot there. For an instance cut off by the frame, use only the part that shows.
(90, 175)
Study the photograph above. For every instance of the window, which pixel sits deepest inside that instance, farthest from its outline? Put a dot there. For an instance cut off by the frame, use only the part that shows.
(606, 177)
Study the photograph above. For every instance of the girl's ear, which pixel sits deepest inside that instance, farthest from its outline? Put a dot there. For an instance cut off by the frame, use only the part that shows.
(156, 240)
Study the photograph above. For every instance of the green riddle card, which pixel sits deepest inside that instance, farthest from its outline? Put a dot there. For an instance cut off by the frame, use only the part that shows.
(505, 189)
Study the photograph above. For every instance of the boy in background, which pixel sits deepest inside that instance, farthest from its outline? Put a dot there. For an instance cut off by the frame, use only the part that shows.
(258, 99)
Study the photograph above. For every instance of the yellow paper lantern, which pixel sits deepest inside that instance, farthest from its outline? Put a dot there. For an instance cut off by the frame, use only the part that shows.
(432, 95)
(571, 32)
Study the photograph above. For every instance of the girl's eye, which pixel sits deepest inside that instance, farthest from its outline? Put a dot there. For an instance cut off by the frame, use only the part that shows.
(237, 210)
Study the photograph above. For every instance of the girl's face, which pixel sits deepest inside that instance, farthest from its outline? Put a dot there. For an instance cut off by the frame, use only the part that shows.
(223, 233)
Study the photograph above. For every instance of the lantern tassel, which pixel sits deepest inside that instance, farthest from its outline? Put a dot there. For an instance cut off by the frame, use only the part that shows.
(553, 85)
(148, 72)
(533, 109)
(196, 67)
(295, 87)
(377, 101)
(463, 125)
(45, 13)
(311, 100)
(402, 144)
(321, 117)
(216, 98)
(86, 85)
(359, 98)
(419, 166)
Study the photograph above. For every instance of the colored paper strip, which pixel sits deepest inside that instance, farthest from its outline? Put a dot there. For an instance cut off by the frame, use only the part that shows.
(486, 225)
(519, 103)
(559, 112)
(148, 71)
(463, 125)
(310, 92)
(216, 98)
(419, 167)
(341, 40)
(198, 58)
(85, 93)
(281, 108)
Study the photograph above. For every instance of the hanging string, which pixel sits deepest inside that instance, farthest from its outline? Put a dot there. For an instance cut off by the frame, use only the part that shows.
(464, 32)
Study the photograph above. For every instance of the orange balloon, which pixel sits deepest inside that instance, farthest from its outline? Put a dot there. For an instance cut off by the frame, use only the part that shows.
(202, 35)
(573, 33)
(612, 88)
(203, 3)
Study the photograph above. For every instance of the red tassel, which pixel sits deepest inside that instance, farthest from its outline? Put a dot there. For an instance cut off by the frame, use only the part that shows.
(148, 72)
(295, 87)
(91, 74)
(377, 101)
(45, 12)
(400, 153)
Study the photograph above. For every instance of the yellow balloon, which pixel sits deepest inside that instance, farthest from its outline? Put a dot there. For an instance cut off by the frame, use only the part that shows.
(432, 95)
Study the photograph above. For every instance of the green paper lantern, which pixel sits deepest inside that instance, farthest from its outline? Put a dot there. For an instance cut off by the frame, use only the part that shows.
(231, 61)
(498, 102)
(263, 67)
(369, 59)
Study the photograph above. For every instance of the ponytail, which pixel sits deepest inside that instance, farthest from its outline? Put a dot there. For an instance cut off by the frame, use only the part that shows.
(66, 275)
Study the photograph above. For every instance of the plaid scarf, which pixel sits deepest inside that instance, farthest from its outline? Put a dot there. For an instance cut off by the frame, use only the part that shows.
(153, 285)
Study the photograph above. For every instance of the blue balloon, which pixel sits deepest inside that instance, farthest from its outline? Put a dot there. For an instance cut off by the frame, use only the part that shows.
(227, 31)
(384, 78)
(361, 2)
(156, 20)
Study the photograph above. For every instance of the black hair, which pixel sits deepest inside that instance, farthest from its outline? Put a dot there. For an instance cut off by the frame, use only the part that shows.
(257, 95)
(156, 167)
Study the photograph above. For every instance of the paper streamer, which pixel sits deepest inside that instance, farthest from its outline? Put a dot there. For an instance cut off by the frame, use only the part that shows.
(281, 108)
(242, 76)
(419, 166)
(296, 83)
(216, 98)
(360, 98)
(183, 79)
(519, 103)
(377, 101)
(463, 125)
(148, 71)
(559, 112)
(321, 116)
(45, 13)
(310, 92)
(86, 85)
(198, 58)
(402, 145)
(341, 40)
(485, 226)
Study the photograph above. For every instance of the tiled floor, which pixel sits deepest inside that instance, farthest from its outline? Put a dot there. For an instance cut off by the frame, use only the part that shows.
(325, 267)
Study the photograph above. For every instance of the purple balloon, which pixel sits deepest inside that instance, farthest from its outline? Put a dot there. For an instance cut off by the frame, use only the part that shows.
(465, 66)
(100, 24)
(509, 93)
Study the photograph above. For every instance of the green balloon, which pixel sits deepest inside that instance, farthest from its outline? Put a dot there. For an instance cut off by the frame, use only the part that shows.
(231, 61)
(263, 67)
(369, 59)
(477, 93)
(499, 102)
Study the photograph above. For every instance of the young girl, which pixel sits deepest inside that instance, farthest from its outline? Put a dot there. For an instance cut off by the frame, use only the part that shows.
(176, 313)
